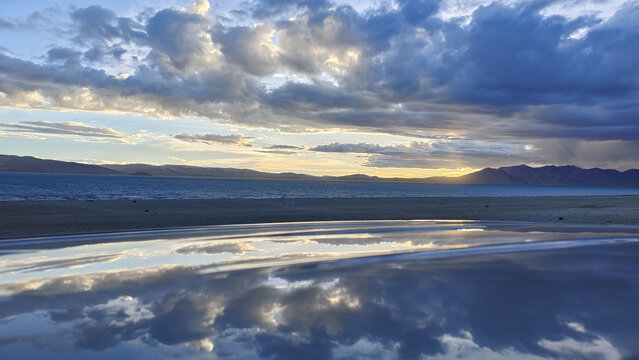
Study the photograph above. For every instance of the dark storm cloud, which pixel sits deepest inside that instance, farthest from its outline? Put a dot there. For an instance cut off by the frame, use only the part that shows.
(505, 72)
(618, 154)
(516, 56)
(417, 12)
(296, 96)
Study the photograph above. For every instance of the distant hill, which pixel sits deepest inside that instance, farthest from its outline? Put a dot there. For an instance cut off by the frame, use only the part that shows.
(510, 175)
(547, 175)
(12, 163)
(196, 171)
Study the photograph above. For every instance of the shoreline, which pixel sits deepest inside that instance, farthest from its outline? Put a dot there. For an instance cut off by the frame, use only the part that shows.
(65, 217)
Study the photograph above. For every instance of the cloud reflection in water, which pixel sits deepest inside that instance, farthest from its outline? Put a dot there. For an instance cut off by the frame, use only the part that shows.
(572, 302)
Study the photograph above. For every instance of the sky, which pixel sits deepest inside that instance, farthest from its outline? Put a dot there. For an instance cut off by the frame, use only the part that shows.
(389, 88)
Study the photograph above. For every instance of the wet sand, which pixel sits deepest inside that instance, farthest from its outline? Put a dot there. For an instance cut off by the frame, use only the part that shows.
(39, 218)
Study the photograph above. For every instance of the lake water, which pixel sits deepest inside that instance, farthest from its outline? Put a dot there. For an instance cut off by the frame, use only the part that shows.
(32, 186)
(325, 290)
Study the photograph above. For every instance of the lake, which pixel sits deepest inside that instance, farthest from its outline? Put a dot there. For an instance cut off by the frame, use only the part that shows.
(35, 186)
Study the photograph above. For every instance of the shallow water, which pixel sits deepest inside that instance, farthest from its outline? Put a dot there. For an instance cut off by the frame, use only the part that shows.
(30, 186)
(368, 289)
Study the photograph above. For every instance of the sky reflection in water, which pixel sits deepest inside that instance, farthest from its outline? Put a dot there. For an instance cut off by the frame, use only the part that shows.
(384, 289)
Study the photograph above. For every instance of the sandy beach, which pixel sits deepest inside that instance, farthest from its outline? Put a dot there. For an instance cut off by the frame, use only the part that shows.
(39, 218)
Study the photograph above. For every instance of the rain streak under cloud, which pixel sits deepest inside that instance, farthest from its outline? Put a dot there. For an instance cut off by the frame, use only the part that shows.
(388, 88)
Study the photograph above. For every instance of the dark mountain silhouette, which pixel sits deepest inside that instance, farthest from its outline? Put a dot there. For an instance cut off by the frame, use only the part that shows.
(12, 163)
(552, 175)
(510, 175)
(196, 171)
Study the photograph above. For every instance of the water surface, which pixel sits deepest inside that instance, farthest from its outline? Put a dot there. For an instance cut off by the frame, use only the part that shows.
(322, 290)
(30, 186)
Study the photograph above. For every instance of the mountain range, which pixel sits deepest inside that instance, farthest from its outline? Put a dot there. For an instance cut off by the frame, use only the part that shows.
(514, 175)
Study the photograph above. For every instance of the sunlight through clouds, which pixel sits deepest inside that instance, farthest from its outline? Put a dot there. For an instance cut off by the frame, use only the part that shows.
(500, 75)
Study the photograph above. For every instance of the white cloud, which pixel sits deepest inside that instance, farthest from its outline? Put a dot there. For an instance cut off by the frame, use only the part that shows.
(200, 7)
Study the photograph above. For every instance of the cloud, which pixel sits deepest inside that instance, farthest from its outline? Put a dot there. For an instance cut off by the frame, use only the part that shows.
(46, 265)
(66, 128)
(182, 319)
(178, 40)
(95, 23)
(4, 24)
(505, 71)
(262, 9)
(251, 48)
(515, 306)
(233, 248)
(234, 139)
(297, 96)
(418, 12)
(199, 7)
(64, 55)
(361, 148)
(283, 147)
(46, 20)
(437, 153)
(97, 53)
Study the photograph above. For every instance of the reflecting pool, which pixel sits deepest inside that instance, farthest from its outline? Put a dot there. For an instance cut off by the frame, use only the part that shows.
(325, 290)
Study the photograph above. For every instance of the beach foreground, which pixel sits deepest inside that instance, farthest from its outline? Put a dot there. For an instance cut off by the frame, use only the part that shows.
(37, 218)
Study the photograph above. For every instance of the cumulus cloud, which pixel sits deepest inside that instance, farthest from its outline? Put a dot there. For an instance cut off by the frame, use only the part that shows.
(505, 71)
(251, 48)
(95, 23)
(199, 7)
(234, 139)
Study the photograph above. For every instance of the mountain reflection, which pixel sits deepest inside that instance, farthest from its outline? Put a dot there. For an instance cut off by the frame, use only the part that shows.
(577, 302)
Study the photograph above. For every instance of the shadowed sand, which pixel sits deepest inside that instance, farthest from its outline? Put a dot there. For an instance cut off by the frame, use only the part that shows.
(35, 218)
